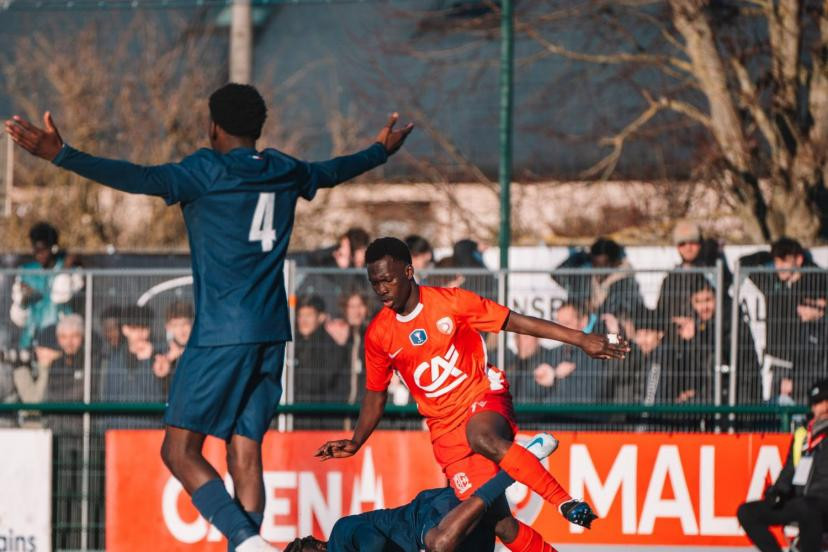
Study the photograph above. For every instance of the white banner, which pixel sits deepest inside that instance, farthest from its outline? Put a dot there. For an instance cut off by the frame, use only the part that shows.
(26, 483)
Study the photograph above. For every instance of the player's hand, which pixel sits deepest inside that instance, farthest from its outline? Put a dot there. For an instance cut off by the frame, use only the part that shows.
(391, 139)
(337, 449)
(599, 346)
(578, 512)
(42, 143)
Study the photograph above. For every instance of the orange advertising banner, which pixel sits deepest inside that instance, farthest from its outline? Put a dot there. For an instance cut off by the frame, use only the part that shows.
(648, 488)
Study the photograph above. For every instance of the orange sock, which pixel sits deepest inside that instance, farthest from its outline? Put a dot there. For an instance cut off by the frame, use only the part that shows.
(528, 540)
(523, 466)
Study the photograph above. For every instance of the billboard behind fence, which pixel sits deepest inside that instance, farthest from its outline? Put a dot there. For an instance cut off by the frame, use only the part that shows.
(26, 479)
(649, 489)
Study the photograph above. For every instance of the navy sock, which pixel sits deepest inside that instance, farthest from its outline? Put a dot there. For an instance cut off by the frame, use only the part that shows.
(216, 505)
(256, 518)
(493, 488)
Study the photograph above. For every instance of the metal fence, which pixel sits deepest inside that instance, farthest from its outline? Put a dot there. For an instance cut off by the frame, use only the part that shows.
(100, 349)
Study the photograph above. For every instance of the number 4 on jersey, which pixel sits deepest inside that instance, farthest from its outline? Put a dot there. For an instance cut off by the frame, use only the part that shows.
(262, 227)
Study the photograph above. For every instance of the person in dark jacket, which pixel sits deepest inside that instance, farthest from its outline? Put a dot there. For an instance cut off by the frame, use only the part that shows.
(800, 493)
(797, 318)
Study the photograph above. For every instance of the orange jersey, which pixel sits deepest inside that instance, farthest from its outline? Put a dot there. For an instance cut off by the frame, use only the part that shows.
(438, 352)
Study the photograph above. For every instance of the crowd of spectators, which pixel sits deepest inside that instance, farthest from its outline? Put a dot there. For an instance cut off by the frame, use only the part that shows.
(134, 348)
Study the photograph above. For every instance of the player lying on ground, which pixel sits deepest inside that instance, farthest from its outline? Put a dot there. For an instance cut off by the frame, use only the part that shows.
(238, 205)
(430, 337)
(435, 520)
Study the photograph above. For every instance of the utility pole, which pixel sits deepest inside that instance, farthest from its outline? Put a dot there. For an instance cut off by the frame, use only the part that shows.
(241, 42)
(506, 91)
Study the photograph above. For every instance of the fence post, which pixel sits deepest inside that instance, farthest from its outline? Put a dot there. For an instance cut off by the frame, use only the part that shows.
(501, 336)
(717, 354)
(285, 422)
(734, 339)
(87, 422)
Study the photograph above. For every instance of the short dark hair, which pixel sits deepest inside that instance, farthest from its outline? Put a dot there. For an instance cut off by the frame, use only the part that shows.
(699, 282)
(44, 232)
(313, 301)
(608, 247)
(387, 247)
(239, 109)
(180, 309)
(783, 247)
(357, 237)
(418, 245)
(136, 315)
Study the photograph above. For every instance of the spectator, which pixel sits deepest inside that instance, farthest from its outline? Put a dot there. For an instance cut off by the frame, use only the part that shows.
(422, 254)
(796, 351)
(66, 373)
(38, 300)
(800, 493)
(357, 316)
(615, 293)
(348, 254)
(111, 330)
(321, 372)
(640, 374)
(449, 280)
(130, 377)
(578, 378)
(468, 254)
(695, 252)
(179, 324)
(31, 378)
(530, 370)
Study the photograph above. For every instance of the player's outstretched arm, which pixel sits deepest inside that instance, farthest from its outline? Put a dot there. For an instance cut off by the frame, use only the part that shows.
(326, 174)
(47, 144)
(596, 346)
(373, 405)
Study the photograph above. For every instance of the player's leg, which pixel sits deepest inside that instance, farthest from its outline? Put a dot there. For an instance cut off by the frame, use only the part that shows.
(490, 434)
(257, 409)
(462, 519)
(244, 462)
(204, 399)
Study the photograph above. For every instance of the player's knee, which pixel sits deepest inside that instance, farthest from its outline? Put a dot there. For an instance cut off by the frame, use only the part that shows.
(243, 460)
(506, 529)
(175, 455)
(489, 444)
(438, 541)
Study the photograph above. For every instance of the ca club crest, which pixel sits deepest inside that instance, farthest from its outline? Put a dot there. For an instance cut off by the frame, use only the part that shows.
(445, 325)
(418, 337)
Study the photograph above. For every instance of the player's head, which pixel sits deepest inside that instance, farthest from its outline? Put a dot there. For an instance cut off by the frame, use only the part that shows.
(238, 110)
(390, 272)
(307, 544)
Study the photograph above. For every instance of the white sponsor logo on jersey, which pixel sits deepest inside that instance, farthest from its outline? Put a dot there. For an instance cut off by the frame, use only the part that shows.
(445, 375)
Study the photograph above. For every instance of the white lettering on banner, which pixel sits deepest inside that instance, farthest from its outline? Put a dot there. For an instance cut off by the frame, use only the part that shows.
(312, 503)
(441, 369)
(668, 465)
(189, 533)
(709, 524)
(768, 465)
(584, 479)
(277, 506)
(367, 487)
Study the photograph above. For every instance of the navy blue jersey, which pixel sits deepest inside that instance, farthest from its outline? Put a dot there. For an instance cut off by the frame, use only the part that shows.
(404, 529)
(239, 212)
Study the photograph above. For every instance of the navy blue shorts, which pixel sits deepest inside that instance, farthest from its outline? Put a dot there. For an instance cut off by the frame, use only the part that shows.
(221, 391)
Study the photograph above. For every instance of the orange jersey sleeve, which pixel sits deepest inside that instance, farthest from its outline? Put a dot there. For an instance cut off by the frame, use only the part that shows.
(378, 369)
(481, 314)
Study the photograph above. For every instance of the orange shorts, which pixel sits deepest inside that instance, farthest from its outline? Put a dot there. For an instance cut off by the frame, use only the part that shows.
(465, 469)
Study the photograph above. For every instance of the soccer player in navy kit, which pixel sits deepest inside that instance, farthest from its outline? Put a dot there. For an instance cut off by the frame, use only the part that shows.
(238, 205)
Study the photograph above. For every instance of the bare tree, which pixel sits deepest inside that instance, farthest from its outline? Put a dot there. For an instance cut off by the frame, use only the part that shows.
(751, 74)
(138, 94)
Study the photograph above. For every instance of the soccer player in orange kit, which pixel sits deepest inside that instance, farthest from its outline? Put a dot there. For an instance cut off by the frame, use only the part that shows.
(430, 336)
